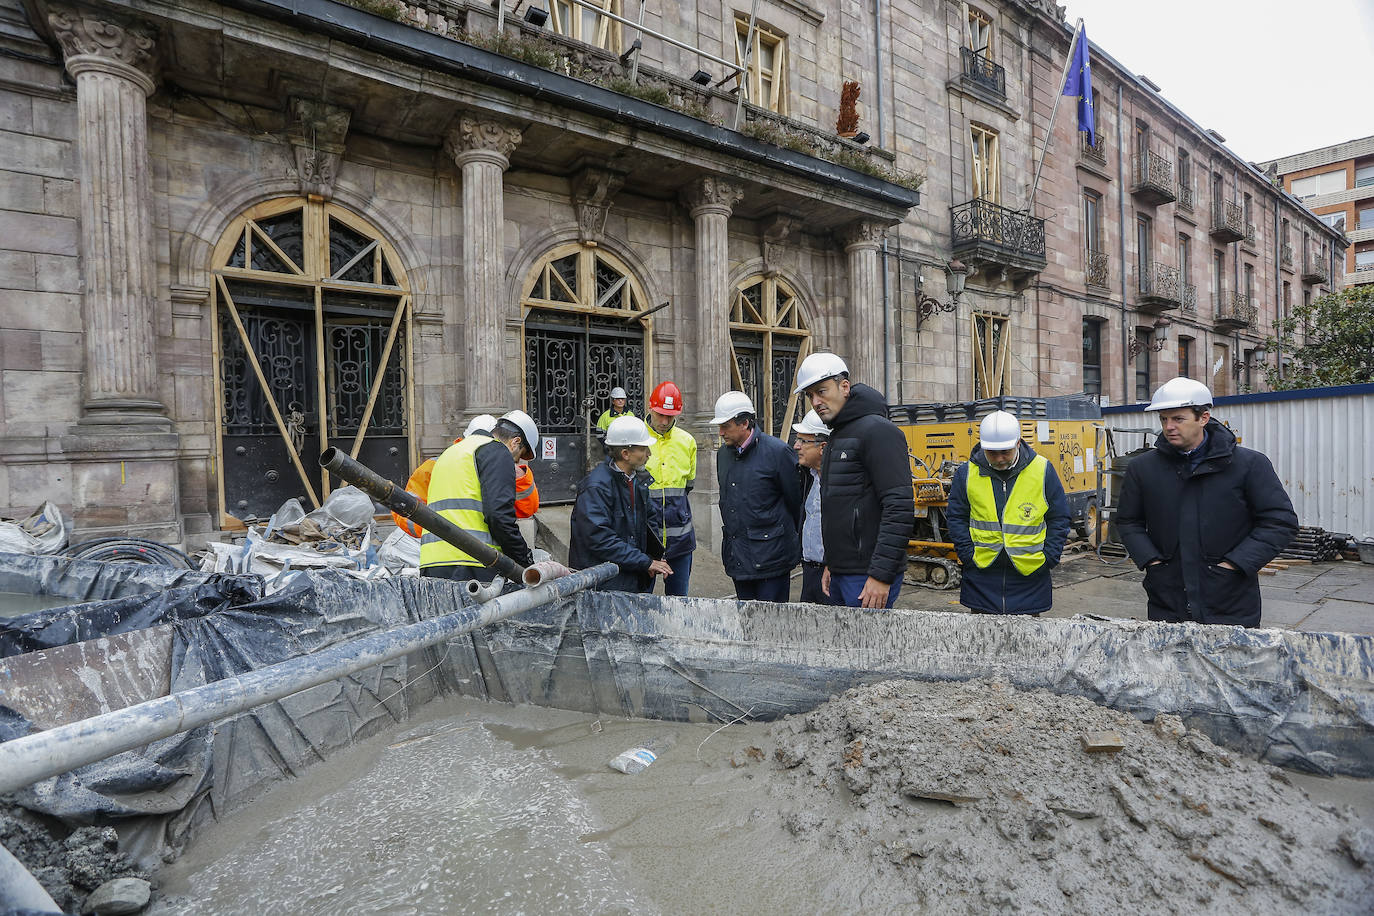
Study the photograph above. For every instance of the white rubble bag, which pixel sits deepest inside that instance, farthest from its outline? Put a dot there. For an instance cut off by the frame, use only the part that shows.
(44, 531)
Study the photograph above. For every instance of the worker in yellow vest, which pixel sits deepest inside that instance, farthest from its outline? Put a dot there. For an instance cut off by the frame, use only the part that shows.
(473, 486)
(1008, 518)
(618, 408)
(673, 466)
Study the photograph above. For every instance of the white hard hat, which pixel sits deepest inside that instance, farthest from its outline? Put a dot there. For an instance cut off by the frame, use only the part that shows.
(628, 431)
(618, 392)
(811, 425)
(482, 423)
(1180, 392)
(817, 368)
(999, 430)
(528, 431)
(730, 405)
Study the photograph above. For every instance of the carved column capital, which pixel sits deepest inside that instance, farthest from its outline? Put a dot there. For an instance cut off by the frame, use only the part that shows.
(712, 195)
(477, 138)
(592, 190)
(862, 233)
(317, 133)
(100, 42)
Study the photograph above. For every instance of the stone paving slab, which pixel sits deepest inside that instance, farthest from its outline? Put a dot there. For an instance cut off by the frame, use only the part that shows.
(1279, 612)
(1341, 617)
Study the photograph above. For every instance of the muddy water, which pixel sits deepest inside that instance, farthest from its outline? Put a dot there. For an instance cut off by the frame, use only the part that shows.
(13, 604)
(495, 808)
(489, 808)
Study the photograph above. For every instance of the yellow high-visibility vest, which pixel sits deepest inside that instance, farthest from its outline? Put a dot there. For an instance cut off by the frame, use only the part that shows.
(455, 492)
(1021, 531)
(673, 465)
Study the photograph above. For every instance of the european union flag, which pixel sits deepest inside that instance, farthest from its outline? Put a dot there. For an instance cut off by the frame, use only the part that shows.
(1080, 83)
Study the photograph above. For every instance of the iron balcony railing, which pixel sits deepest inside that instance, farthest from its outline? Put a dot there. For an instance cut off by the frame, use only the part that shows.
(1286, 256)
(1314, 268)
(1237, 310)
(991, 232)
(1188, 297)
(1186, 197)
(1152, 177)
(1093, 153)
(1158, 286)
(1098, 272)
(1228, 221)
(982, 72)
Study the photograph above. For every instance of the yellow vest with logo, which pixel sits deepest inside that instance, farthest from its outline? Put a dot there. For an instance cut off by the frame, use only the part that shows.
(455, 492)
(673, 465)
(1021, 531)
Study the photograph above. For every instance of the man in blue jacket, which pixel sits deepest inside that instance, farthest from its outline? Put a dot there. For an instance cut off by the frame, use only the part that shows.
(1009, 520)
(611, 518)
(760, 503)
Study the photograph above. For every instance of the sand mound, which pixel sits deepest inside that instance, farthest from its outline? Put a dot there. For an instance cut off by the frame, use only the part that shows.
(974, 797)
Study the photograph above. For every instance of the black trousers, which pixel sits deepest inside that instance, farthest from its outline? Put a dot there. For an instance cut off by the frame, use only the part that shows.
(811, 584)
(458, 573)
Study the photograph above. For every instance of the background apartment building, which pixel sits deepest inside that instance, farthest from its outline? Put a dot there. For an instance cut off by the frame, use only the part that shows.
(1337, 183)
(240, 230)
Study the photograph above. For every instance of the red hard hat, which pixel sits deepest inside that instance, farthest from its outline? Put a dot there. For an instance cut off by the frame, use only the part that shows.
(666, 399)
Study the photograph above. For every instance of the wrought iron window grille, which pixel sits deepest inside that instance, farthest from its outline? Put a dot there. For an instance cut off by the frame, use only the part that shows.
(981, 72)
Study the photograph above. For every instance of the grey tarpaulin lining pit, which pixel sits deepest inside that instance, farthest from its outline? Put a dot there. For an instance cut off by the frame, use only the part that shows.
(1304, 700)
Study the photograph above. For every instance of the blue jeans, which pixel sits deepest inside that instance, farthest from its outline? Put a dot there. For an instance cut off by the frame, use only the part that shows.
(844, 590)
(778, 588)
(676, 584)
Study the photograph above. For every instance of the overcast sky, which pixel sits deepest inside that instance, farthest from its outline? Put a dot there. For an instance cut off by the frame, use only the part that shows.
(1272, 78)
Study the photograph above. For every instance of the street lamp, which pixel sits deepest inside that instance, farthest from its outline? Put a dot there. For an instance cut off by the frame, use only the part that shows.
(956, 273)
(1161, 337)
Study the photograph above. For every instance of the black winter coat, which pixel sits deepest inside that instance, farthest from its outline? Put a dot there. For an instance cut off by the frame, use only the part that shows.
(1232, 507)
(867, 511)
(1001, 589)
(610, 524)
(760, 508)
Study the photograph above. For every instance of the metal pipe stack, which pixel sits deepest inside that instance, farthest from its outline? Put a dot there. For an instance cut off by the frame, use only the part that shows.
(1315, 544)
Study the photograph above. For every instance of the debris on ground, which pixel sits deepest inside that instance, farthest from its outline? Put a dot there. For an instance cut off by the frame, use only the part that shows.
(69, 865)
(978, 797)
(42, 531)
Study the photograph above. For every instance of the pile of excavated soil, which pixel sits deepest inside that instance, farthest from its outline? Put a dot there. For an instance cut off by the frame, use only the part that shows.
(977, 797)
(68, 863)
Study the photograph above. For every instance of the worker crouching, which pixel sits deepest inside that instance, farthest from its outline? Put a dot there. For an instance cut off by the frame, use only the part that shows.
(1009, 520)
(611, 519)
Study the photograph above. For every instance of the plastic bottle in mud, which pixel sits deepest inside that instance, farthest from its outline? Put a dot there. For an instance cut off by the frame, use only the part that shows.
(637, 759)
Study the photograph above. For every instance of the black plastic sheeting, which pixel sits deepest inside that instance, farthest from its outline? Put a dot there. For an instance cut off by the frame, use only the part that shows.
(87, 580)
(1304, 700)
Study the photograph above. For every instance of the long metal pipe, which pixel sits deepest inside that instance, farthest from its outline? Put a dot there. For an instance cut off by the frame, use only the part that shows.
(410, 506)
(33, 757)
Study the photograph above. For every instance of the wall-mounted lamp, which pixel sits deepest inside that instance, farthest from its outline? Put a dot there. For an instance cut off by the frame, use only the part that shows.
(536, 16)
(956, 273)
(701, 78)
(861, 137)
(1160, 335)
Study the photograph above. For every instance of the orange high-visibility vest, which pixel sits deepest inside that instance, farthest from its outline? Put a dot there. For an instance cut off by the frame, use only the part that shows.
(526, 493)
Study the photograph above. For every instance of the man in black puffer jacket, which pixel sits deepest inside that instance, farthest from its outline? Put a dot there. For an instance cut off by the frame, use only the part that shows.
(867, 511)
(1201, 515)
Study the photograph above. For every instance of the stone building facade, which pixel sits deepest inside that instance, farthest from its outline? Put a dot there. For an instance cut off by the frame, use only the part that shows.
(236, 231)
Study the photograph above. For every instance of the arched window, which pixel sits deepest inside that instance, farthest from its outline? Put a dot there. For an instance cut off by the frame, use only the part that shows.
(768, 337)
(310, 333)
(585, 333)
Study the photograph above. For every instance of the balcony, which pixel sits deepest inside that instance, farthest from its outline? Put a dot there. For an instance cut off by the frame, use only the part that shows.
(1235, 312)
(1188, 297)
(1159, 289)
(1228, 222)
(988, 234)
(1314, 268)
(980, 72)
(1152, 178)
(1286, 257)
(1186, 197)
(1094, 154)
(1098, 271)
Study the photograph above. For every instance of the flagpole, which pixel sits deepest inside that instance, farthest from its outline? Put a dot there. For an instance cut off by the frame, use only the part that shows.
(1059, 94)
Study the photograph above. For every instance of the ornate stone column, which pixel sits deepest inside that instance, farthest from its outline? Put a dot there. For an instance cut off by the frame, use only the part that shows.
(112, 64)
(481, 147)
(861, 241)
(710, 201)
(122, 452)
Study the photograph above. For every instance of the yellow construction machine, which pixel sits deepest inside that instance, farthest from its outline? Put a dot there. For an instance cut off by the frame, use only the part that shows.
(941, 436)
